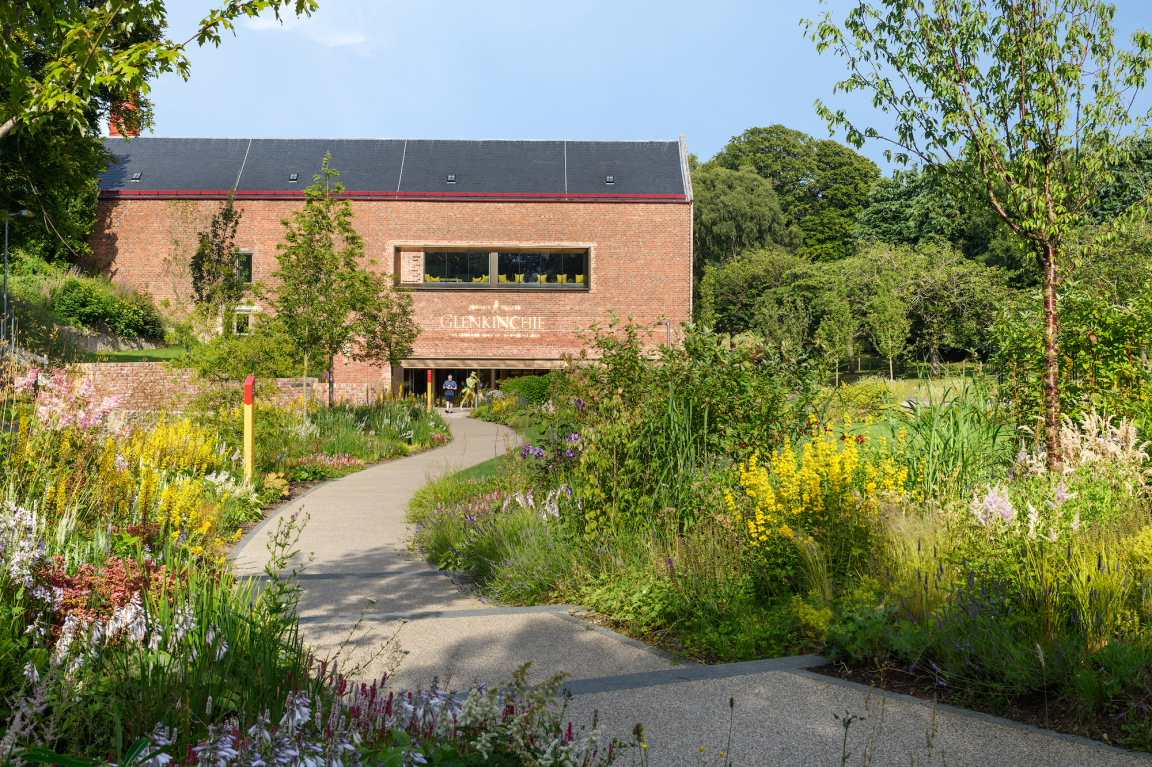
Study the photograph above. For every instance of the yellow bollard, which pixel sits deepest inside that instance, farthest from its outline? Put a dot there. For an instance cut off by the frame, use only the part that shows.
(429, 391)
(249, 430)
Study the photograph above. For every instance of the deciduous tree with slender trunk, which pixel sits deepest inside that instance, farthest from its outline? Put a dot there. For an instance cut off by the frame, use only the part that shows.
(322, 293)
(1023, 105)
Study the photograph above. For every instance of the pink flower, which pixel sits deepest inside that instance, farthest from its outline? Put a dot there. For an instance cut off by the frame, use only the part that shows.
(994, 504)
(61, 404)
(27, 382)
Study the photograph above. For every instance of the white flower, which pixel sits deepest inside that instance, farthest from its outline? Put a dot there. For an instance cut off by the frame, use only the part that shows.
(218, 750)
(64, 643)
(160, 738)
(30, 673)
(296, 712)
(184, 622)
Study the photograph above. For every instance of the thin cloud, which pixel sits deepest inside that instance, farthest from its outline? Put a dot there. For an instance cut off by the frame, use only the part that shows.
(316, 29)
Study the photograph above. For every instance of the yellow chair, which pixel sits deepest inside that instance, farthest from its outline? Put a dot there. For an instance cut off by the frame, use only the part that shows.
(480, 279)
(503, 278)
(430, 278)
(541, 278)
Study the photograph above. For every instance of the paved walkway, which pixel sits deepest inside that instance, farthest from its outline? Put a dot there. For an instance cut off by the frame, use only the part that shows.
(783, 714)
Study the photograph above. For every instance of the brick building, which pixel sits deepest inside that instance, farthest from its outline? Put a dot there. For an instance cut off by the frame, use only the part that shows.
(510, 247)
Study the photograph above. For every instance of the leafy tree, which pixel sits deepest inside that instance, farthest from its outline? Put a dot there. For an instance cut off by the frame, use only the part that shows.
(325, 300)
(63, 65)
(1021, 106)
(837, 328)
(909, 207)
(951, 300)
(821, 185)
(888, 325)
(731, 291)
(735, 210)
(52, 173)
(58, 56)
(216, 280)
(1131, 183)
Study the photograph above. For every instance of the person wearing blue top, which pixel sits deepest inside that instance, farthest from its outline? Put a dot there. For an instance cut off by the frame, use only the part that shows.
(449, 392)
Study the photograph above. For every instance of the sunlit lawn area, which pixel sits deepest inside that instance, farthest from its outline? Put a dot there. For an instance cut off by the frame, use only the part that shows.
(162, 354)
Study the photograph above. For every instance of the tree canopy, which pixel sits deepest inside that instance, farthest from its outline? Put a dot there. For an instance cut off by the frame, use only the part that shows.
(1023, 107)
(735, 210)
(59, 57)
(821, 185)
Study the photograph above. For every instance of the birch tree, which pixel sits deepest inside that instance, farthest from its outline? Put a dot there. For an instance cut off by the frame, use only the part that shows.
(1022, 105)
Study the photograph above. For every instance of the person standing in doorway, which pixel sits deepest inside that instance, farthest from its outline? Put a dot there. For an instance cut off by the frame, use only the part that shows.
(449, 392)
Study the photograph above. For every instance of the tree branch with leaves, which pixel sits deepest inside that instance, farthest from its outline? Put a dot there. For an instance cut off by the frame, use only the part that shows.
(87, 50)
(1024, 106)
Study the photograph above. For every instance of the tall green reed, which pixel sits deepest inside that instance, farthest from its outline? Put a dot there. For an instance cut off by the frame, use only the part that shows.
(955, 440)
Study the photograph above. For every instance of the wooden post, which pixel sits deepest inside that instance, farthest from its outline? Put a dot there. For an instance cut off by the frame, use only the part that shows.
(429, 390)
(249, 429)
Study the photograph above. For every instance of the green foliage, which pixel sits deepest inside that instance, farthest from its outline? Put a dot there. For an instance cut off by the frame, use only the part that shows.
(325, 298)
(1032, 121)
(289, 438)
(65, 59)
(836, 331)
(821, 185)
(888, 324)
(266, 351)
(732, 292)
(1105, 321)
(97, 304)
(954, 440)
(64, 165)
(533, 389)
(216, 280)
(733, 211)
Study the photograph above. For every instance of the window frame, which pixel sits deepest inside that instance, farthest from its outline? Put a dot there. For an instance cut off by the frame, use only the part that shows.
(250, 255)
(493, 282)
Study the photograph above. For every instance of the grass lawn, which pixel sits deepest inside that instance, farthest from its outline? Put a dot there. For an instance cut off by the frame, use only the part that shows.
(162, 354)
(490, 467)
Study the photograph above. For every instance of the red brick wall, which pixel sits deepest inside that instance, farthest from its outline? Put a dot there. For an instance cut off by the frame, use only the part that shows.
(641, 263)
(158, 386)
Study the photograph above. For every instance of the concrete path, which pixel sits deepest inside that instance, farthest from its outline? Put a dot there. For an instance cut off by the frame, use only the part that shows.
(782, 715)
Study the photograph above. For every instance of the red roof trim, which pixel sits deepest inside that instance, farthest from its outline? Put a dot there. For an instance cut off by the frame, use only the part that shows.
(446, 196)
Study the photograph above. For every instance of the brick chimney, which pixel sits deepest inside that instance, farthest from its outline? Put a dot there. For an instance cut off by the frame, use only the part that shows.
(119, 116)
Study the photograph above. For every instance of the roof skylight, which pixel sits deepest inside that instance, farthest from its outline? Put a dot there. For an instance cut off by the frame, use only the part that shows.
(293, 177)
(135, 176)
(608, 180)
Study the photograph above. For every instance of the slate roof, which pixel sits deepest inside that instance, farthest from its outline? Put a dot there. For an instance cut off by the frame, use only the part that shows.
(400, 168)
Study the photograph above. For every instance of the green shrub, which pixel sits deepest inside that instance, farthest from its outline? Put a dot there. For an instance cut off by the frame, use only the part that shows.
(534, 389)
(97, 305)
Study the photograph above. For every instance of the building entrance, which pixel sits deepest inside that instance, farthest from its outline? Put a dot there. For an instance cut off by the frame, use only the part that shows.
(416, 380)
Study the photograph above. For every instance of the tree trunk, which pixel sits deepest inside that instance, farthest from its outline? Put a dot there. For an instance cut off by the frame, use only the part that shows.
(1051, 359)
(891, 371)
(934, 357)
(331, 382)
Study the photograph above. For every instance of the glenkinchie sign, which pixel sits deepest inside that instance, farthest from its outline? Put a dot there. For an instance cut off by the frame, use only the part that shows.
(495, 317)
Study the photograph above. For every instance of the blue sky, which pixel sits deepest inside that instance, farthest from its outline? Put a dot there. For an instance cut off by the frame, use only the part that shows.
(598, 69)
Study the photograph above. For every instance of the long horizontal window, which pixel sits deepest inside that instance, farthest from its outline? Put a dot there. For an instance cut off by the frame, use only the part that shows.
(506, 269)
(457, 267)
(543, 268)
